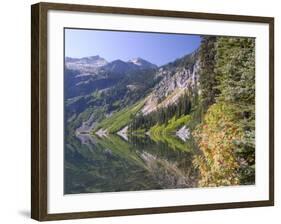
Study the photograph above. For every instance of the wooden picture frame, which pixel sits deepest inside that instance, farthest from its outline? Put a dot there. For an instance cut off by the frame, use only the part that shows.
(39, 109)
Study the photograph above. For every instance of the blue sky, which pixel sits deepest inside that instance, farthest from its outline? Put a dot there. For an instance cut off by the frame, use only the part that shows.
(111, 45)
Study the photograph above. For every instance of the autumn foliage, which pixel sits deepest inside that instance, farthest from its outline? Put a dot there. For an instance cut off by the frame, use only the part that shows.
(226, 135)
(216, 138)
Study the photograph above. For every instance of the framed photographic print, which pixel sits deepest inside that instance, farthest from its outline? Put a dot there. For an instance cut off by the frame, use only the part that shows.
(139, 111)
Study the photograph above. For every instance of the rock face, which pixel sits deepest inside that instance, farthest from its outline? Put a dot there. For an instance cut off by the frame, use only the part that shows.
(175, 77)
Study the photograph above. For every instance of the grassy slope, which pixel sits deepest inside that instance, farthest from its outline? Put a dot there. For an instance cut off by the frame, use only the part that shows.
(172, 126)
(166, 133)
(120, 119)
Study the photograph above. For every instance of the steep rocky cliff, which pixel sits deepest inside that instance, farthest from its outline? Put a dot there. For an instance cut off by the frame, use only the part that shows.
(176, 78)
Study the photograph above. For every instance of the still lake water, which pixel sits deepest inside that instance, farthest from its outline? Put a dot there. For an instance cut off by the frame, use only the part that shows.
(113, 164)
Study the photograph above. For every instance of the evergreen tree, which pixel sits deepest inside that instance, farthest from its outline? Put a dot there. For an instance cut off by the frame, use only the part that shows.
(235, 70)
(163, 115)
(207, 76)
(227, 80)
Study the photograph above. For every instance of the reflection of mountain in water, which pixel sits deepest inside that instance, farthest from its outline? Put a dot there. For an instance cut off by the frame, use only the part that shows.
(96, 164)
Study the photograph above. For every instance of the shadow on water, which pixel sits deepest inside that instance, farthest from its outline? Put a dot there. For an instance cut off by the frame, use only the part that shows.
(111, 164)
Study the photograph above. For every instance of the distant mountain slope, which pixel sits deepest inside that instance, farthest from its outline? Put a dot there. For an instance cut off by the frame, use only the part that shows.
(105, 87)
(95, 64)
(85, 65)
(85, 75)
(119, 67)
(143, 64)
(176, 78)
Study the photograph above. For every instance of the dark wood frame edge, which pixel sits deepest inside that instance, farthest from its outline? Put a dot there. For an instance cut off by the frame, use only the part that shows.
(39, 209)
(38, 112)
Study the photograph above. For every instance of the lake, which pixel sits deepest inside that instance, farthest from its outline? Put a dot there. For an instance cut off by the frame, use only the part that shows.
(113, 164)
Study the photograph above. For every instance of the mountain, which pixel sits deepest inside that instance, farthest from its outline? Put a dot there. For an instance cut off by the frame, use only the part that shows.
(85, 75)
(143, 64)
(133, 65)
(85, 65)
(119, 67)
(119, 91)
(167, 94)
(93, 84)
(94, 64)
(176, 78)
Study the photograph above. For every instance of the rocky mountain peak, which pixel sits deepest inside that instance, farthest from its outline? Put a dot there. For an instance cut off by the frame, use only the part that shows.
(143, 64)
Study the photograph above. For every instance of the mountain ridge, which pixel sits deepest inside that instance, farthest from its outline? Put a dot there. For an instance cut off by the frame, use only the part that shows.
(85, 64)
(119, 84)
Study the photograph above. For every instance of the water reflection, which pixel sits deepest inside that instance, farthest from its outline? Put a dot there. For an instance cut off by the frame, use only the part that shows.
(112, 163)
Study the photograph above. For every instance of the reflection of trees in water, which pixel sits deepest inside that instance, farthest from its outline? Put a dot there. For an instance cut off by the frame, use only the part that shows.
(94, 164)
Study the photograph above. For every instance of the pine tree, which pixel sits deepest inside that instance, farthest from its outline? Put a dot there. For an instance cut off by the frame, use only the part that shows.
(235, 70)
(207, 76)
(227, 80)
